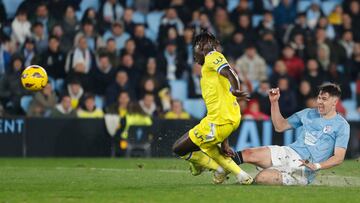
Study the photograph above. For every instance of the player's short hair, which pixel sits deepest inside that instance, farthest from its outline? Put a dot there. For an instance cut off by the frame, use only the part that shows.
(204, 43)
(330, 88)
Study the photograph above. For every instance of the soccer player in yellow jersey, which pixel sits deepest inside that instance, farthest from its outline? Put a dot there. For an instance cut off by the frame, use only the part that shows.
(220, 90)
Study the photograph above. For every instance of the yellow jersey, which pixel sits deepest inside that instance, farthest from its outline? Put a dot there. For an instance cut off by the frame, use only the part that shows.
(222, 107)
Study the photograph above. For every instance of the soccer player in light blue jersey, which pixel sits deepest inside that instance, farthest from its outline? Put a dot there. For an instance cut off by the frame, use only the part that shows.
(321, 144)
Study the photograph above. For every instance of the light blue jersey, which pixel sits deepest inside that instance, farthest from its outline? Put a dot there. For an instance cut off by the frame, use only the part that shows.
(318, 136)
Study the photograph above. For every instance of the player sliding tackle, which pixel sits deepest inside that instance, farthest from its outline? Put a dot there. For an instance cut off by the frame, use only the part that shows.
(321, 144)
(220, 89)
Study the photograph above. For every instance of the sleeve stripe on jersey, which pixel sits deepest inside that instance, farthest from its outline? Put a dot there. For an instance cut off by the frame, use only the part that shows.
(222, 66)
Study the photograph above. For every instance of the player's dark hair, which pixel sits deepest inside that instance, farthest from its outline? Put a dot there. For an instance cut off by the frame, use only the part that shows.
(204, 43)
(330, 88)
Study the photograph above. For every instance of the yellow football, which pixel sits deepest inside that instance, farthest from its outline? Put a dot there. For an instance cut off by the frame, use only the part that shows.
(34, 78)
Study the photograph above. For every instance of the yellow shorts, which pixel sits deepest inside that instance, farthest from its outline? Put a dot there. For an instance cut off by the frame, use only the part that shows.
(207, 134)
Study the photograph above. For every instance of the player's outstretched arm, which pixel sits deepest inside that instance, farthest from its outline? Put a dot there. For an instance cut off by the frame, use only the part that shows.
(279, 122)
(336, 159)
(230, 74)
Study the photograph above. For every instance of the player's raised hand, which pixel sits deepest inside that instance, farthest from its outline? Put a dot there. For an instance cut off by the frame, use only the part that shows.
(240, 95)
(274, 94)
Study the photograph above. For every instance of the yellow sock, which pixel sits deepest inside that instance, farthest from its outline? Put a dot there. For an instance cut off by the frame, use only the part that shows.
(200, 158)
(225, 162)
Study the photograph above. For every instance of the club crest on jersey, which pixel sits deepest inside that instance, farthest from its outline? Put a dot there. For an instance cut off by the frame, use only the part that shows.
(327, 129)
(218, 60)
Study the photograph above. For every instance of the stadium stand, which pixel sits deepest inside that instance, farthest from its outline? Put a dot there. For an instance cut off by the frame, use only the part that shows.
(166, 36)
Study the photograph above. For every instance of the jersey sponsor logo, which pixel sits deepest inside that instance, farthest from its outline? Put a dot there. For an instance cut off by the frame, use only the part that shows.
(218, 60)
(327, 129)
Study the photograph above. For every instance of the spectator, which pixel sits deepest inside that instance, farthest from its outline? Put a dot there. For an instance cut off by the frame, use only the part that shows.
(313, 14)
(43, 102)
(28, 52)
(354, 13)
(21, 28)
(152, 72)
(187, 40)
(40, 39)
(294, 64)
(341, 79)
(53, 60)
(224, 27)
(285, 13)
(144, 45)
(104, 75)
(11, 89)
(75, 91)
(204, 23)
(244, 26)
(319, 40)
(314, 74)
(169, 20)
(93, 39)
(209, 9)
(253, 111)
(251, 66)
(351, 69)
(347, 43)
(64, 108)
(148, 105)
(194, 82)
(182, 9)
(128, 21)
(240, 9)
(280, 71)
(268, 47)
(299, 27)
(90, 15)
(112, 11)
(304, 94)
(5, 58)
(235, 48)
(88, 108)
(118, 34)
(287, 100)
(70, 24)
(261, 94)
(128, 65)
(80, 62)
(120, 84)
(147, 86)
(335, 17)
(177, 111)
(323, 57)
(347, 24)
(329, 29)
(111, 51)
(121, 106)
(129, 48)
(170, 62)
(298, 45)
(66, 43)
(42, 16)
(267, 24)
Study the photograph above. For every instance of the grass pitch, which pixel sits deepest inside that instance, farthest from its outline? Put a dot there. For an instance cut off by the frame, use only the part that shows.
(157, 180)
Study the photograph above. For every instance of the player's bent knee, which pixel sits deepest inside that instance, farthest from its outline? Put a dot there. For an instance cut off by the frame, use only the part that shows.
(248, 156)
(269, 177)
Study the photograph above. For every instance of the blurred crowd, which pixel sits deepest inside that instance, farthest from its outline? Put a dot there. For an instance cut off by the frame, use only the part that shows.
(119, 56)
